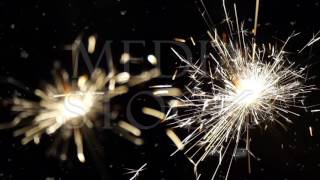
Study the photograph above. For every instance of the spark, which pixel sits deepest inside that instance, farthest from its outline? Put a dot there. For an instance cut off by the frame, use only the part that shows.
(192, 41)
(174, 75)
(311, 130)
(315, 110)
(313, 40)
(130, 128)
(161, 86)
(175, 139)
(152, 59)
(153, 112)
(244, 85)
(180, 40)
(92, 44)
(136, 172)
(167, 92)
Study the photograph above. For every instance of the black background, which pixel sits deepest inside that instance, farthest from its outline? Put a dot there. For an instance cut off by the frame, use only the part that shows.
(33, 35)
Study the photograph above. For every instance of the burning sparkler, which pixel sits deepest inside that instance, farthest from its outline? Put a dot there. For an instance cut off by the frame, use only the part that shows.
(69, 108)
(64, 107)
(243, 85)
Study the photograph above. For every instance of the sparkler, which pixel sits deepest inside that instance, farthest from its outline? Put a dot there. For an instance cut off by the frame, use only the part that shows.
(64, 108)
(243, 85)
(70, 107)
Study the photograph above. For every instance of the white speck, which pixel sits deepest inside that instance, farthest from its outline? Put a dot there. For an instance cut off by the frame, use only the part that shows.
(24, 54)
(123, 12)
(12, 26)
(267, 24)
(292, 23)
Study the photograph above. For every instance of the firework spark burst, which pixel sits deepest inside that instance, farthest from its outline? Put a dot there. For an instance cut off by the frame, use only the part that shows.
(66, 107)
(69, 108)
(239, 86)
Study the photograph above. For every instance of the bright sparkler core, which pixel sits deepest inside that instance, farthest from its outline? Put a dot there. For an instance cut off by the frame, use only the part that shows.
(74, 107)
(249, 90)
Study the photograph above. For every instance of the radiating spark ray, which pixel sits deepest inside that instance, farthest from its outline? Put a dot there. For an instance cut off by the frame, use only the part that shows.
(175, 139)
(248, 149)
(130, 128)
(175, 74)
(313, 40)
(205, 15)
(255, 28)
(153, 112)
(180, 40)
(167, 92)
(256, 15)
(137, 172)
(311, 130)
(79, 144)
(75, 56)
(161, 86)
(192, 41)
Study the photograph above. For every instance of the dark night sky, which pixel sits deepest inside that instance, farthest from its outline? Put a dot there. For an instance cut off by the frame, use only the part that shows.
(33, 35)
